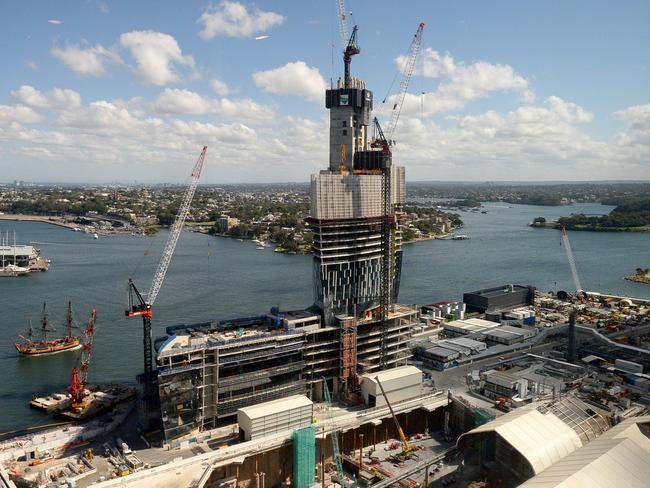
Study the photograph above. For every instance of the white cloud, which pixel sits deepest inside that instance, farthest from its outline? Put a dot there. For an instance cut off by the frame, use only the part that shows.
(19, 114)
(175, 101)
(31, 64)
(292, 79)
(232, 19)
(53, 100)
(90, 61)
(55, 21)
(101, 114)
(462, 83)
(219, 87)
(638, 131)
(157, 56)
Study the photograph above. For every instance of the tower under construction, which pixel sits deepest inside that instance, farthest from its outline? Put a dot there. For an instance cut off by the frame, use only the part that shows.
(208, 371)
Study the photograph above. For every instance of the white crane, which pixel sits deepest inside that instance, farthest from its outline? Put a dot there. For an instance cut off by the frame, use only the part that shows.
(138, 305)
(409, 67)
(572, 261)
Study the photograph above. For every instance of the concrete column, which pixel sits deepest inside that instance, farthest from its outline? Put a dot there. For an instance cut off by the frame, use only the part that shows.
(360, 451)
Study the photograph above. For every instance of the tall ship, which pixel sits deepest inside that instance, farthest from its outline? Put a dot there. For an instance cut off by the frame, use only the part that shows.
(31, 347)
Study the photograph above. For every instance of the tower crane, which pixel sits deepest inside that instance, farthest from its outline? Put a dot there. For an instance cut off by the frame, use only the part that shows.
(579, 294)
(349, 44)
(409, 67)
(383, 141)
(572, 261)
(138, 305)
(79, 376)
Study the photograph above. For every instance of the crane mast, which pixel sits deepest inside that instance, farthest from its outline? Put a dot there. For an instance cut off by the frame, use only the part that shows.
(138, 304)
(409, 67)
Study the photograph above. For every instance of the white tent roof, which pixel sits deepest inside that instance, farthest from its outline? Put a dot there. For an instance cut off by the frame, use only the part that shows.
(543, 439)
(620, 457)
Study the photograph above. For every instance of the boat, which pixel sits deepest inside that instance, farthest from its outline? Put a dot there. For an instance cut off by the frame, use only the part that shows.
(30, 347)
(18, 259)
(98, 400)
(11, 270)
(260, 247)
(95, 236)
(460, 237)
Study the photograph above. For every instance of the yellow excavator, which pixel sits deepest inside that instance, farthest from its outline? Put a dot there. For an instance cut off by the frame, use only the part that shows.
(407, 451)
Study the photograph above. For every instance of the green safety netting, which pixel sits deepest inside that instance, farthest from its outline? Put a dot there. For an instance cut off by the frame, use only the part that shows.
(304, 457)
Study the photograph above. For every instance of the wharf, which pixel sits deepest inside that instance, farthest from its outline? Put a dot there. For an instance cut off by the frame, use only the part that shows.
(38, 218)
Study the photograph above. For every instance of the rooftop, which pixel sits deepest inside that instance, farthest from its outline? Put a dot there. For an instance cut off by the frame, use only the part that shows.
(275, 406)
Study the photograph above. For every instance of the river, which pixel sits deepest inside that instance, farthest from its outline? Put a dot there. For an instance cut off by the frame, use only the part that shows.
(213, 277)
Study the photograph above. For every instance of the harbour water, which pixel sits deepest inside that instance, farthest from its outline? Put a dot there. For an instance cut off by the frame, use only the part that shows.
(212, 278)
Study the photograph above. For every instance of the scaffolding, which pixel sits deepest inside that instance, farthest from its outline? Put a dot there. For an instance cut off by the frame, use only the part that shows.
(348, 353)
(304, 457)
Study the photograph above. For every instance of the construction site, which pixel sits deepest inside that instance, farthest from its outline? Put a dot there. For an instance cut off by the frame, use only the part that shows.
(511, 387)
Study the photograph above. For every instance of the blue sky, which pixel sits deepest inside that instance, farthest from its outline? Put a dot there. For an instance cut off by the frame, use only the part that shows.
(119, 91)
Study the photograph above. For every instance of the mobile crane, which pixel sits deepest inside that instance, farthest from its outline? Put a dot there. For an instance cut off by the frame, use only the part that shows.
(406, 451)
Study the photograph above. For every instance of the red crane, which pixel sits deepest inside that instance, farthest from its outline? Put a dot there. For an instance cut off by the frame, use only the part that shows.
(79, 376)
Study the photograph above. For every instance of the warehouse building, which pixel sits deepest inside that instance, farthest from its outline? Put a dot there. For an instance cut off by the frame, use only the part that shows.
(438, 357)
(464, 345)
(468, 326)
(500, 298)
(508, 335)
(399, 384)
(269, 418)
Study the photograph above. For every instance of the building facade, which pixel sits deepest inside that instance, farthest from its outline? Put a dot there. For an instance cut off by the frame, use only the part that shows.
(347, 212)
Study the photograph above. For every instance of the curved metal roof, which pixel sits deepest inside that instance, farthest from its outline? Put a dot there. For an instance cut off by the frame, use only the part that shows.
(542, 439)
(620, 457)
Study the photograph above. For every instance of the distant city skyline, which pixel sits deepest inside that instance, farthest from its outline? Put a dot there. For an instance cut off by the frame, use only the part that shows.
(98, 91)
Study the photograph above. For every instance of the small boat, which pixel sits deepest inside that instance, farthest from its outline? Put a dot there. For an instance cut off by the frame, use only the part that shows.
(35, 348)
(95, 236)
(260, 247)
(460, 237)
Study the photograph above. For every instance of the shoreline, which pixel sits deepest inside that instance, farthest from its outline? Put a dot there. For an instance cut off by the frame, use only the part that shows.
(638, 279)
(37, 218)
(554, 224)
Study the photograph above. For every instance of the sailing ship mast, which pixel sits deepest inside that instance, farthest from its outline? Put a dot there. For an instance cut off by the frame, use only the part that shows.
(45, 322)
(69, 321)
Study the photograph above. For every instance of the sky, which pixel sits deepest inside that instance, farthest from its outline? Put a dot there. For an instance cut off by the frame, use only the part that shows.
(102, 91)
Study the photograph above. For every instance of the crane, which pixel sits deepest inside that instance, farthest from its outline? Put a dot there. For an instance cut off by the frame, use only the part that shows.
(409, 67)
(579, 293)
(79, 376)
(335, 438)
(407, 449)
(349, 44)
(571, 259)
(138, 305)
